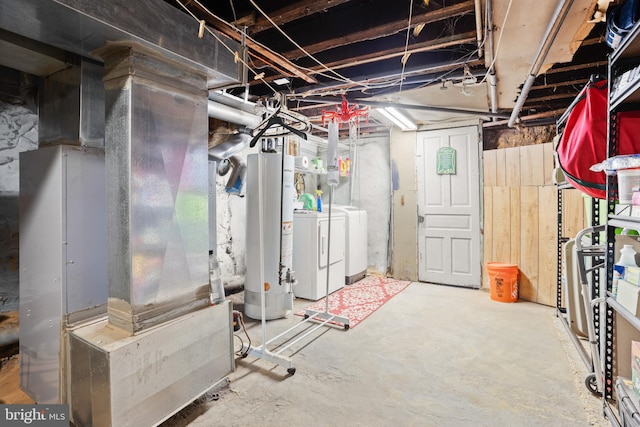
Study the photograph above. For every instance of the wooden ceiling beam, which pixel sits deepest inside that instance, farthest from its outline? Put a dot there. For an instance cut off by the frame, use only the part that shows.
(378, 80)
(576, 67)
(264, 52)
(579, 82)
(293, 12)
(524, 119)
(469, 37)
(548, 98)
(441, 43)
(383, 30)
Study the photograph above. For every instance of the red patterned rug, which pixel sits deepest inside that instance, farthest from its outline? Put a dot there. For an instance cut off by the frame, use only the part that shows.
(360, 300)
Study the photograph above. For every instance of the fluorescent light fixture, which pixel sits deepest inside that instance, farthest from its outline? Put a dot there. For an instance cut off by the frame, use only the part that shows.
(397, 118)
(282, 81)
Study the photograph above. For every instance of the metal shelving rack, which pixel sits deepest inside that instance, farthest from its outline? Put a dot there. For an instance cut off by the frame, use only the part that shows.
(626, 56)
(561, 310)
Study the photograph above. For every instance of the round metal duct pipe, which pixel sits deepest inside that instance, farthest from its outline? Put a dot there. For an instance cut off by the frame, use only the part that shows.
(232, 115)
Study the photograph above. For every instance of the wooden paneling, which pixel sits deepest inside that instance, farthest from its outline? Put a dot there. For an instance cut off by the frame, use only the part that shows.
(512, 166)
(500, 169)
(516, 225)
(487, 241)
(548, 247)
(532, 165)
(489, 168)
(530, 238)
(573, 219)
(520, 218)
(502, 224)
(548, 163)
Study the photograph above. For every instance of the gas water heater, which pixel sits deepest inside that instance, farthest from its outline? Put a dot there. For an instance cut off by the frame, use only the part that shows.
(274, 242)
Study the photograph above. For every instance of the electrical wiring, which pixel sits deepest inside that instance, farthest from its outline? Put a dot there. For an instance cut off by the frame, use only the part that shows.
(365, 86)
(258, 76)
(495, 55)
(233, 9)
(406, 45)
(238, 352)
(244, 328)
(277, 27)
(225, 45)
(376, 88)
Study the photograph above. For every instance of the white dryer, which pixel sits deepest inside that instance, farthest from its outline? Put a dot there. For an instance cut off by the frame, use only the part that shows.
(310, 245)
(355, 242)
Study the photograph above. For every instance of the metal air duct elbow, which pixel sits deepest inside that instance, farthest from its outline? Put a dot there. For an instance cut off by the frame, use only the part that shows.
(234, 144)
(227, 152)
(238, 175)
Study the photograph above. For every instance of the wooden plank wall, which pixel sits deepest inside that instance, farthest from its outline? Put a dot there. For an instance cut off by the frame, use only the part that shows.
(520, 217)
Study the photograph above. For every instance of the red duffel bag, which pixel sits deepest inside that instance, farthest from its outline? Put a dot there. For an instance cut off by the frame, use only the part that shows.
(583, 142)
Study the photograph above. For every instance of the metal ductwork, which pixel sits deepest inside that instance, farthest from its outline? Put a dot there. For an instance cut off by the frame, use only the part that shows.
(81, 27)
(234, 144)
(238, 175)
(225, 156)
(232, 115)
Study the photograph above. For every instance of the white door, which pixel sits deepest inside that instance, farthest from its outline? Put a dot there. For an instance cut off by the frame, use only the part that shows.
(449, 206)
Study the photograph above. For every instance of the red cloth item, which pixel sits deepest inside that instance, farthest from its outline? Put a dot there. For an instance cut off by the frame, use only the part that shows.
(584, 140)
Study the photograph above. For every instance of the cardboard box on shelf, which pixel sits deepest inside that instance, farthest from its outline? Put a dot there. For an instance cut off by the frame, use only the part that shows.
(632, 274)
(629, 296)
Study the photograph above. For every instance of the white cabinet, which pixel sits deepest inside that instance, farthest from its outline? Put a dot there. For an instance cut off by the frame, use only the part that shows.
(312, 255)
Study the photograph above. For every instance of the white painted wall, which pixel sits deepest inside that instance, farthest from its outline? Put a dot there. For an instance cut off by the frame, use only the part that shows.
(231, 216)
(18, 132)
(371, 182)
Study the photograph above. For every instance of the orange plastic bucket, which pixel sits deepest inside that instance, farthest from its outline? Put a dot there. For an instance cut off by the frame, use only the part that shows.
(503, 281)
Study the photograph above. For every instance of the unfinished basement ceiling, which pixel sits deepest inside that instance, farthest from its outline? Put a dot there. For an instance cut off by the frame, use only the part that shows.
(428, 53)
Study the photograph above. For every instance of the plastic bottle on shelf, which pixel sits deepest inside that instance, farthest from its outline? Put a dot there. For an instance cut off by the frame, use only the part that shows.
(319, 202)
(627, 259)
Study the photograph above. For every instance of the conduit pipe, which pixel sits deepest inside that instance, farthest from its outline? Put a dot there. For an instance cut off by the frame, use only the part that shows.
(557, 20)
(479, 26)
(431, 108)
(489, 60)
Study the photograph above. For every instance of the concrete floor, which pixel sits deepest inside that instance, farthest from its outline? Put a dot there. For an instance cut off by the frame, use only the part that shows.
(432, 356)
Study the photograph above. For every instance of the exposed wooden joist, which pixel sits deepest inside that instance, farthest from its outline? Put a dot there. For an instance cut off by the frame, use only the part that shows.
(530, 117)
(578, 82)
(383, 30)
(431, 45)
(577, 67)
(364, 81)
(382, 55)
(234, 34)
(548, 98)
(292, 12)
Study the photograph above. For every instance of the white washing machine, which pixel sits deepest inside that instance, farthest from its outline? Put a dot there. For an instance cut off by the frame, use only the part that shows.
(310, 245)
(355, 242)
